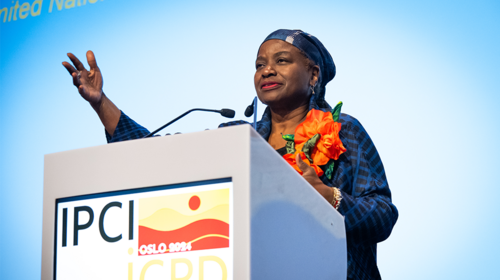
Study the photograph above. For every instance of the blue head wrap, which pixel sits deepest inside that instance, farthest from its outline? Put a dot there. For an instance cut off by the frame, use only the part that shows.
(315, 51)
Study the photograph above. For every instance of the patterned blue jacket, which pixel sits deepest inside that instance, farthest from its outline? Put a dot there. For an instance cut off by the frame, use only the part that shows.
(359, 175)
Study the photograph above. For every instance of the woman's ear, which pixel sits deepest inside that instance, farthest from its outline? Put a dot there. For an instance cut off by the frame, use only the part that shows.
(315, 75)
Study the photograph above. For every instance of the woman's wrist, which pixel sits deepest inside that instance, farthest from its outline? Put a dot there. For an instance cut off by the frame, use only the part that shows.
(97, 105)
(108, 113)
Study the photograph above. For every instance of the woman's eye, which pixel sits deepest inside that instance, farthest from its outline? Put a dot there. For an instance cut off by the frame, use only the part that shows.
(282, 60)
(257, 66)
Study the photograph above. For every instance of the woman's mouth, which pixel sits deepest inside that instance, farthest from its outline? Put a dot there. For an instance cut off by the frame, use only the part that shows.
(270, 85)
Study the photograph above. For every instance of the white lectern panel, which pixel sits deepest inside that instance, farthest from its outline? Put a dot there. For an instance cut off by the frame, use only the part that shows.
(182, 230)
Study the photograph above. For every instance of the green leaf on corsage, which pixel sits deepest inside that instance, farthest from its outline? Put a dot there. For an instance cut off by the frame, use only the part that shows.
(288, 137)
(329, 169)
(290, 143)
(290, 147)
(336, 112)
(309, 146)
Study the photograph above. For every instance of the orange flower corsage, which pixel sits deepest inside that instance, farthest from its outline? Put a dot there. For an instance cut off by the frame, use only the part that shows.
(317, 140)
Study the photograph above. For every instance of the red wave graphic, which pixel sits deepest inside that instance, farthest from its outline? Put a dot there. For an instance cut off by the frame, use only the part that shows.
(212, 242)
(189, 233)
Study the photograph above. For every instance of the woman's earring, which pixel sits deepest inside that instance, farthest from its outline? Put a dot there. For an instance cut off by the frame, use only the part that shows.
(312, 89)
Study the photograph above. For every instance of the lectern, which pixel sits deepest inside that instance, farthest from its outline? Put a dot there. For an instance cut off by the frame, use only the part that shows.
(218, 204)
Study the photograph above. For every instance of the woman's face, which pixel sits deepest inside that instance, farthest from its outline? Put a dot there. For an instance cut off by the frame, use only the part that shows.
(282, 77)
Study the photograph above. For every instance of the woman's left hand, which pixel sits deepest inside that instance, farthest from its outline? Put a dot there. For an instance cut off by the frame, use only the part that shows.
(310, 175)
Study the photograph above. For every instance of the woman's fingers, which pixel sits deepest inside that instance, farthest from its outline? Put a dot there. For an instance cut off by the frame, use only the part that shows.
(76, 80)
(304, 167)
(312, 178)
(69, 67)
(300, 162)
(76, 62)
(73, 72)
(91, 60)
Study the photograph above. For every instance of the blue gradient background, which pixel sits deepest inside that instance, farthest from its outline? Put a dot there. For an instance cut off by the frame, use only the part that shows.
(421, 76)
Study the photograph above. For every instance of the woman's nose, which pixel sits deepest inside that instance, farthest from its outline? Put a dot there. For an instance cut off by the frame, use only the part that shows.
(268, 71)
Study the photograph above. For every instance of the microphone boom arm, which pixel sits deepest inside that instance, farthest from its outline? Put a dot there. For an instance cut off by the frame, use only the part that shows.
(181, 116)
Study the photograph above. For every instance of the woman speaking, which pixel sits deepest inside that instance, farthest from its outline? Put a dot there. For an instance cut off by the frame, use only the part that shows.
(332, 151)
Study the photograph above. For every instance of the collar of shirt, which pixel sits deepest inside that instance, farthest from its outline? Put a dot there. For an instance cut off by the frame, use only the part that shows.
(264, 125)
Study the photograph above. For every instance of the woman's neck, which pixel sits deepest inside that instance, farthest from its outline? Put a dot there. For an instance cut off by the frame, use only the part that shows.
(285, 122)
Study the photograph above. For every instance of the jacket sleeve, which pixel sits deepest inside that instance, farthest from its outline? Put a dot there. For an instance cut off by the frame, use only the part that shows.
(126, 129)
(366, 198)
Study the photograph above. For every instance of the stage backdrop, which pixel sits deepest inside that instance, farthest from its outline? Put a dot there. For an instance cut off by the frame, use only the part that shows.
(421, 77)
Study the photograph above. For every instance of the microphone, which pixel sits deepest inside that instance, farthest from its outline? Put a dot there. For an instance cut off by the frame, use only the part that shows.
(228, 113)
(249, 111)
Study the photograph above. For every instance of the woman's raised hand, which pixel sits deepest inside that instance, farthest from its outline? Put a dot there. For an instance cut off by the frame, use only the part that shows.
(89, 83)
